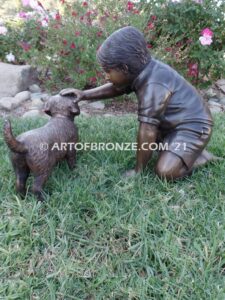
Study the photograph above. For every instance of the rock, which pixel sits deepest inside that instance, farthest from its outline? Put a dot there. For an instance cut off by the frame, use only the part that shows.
(45, 97)
(213, 103)
(35, 96)
(10, 103)
(37, 104)
(23, 96)
(34, 113)
(108, 115)
(15, 79)
(34, 88)
(220, 95)
(221, 84)
(84, 113)
(215, 107)
(211, 93)
(222, 101)
(97, 105)
(40, 96)
(83, 103)
(6, 103)
(214, 100)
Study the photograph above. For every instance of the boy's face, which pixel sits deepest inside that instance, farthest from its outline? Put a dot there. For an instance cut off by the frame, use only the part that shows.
(117, 77)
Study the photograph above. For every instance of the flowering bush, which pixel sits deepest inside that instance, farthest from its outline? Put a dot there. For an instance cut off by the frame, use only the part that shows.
(64, 42)
(188, 34)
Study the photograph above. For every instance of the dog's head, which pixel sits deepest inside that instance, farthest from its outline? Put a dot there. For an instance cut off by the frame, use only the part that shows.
(61, 106)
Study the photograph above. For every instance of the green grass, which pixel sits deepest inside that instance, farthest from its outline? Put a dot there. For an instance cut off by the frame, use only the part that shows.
(100, 236)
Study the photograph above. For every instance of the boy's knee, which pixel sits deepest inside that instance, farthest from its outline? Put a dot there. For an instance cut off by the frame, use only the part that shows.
(169, 166)
(164, 171)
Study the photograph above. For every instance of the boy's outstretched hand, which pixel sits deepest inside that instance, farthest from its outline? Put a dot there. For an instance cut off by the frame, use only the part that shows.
(77, 94)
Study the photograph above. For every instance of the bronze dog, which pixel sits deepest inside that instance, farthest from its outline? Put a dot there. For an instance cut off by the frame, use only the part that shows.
(38, 150)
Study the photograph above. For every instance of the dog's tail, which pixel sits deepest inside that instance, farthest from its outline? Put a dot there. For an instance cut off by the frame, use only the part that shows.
(11, 141)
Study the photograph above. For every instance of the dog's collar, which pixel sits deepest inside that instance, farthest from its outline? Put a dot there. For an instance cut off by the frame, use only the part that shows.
(60, 116)
(63, 117)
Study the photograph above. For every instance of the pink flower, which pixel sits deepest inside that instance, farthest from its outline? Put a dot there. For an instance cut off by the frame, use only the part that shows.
(44, 22)
(99, 33)
(25, 2)
(26, 47)
(36, 5)
(193, 70)
(74, 13)
(77, 33)
(64, 42)
(149, 46)
(205, 40)
(88, 13)
(22, 15)
(92, 79)
(179, 44)
(3, 30)
(130, 5)
(136, 11)
(85, 3)
(153, 18)
(207, 32)
(57, 17)
(151, 25)
(72, 46)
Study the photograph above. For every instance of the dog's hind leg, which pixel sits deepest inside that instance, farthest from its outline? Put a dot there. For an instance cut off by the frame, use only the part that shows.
(39, 182)
(71, 158)
(22, 173)
(21, 179)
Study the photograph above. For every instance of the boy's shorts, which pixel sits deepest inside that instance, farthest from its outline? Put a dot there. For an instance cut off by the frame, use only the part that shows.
(186, 143)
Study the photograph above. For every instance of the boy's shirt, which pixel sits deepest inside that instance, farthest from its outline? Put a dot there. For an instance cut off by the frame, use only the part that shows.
(167, 100)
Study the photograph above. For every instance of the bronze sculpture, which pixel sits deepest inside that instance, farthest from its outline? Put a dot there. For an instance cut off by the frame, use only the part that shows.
(38, 150)
(170, 110)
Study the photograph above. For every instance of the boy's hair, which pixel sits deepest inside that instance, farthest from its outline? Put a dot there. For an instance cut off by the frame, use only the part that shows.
(126, 46)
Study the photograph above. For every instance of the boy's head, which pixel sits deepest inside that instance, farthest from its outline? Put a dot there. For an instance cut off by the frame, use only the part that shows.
(123, 55)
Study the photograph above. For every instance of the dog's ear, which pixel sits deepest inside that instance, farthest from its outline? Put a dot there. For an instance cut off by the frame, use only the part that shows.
(47, 108)
(75, 109)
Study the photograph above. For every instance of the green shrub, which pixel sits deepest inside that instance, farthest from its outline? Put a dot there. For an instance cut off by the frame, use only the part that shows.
(63, 43)
(174, 29)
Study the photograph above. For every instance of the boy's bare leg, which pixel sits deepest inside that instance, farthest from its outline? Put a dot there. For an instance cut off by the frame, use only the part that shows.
(171, 166)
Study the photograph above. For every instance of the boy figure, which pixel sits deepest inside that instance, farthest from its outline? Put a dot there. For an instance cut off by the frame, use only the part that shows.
(169, 108)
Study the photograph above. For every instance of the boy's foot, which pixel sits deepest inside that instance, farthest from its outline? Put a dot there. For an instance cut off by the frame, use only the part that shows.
(205, 157)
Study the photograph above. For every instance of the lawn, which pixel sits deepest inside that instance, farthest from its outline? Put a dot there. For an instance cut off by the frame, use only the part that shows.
(100, 236)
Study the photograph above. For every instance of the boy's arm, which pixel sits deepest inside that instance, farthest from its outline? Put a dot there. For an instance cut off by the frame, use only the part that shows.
(147, 134)
(152, 104)
(105, 91)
